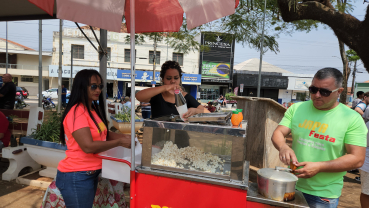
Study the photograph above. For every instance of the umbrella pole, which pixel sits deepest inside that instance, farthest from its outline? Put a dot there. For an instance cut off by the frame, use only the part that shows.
(40, 63)
(133, 58)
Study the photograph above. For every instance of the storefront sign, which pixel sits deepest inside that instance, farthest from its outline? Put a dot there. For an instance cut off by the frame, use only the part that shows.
(216, 62)
(146, 76)
(302, 84)
(111, 73)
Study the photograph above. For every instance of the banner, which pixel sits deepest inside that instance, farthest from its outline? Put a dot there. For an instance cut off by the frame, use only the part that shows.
(212, 69)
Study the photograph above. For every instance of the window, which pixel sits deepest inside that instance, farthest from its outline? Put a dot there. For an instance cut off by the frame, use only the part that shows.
(109, 54)
(178, 57)
(151, 57)
(127, 55)
(26, 78)
(78, 51)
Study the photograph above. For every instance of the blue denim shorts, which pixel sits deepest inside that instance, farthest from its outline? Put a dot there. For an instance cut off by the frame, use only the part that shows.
(321, 202)
(78, 188)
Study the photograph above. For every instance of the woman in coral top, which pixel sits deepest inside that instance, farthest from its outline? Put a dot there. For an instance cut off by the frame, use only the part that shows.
(84, 132)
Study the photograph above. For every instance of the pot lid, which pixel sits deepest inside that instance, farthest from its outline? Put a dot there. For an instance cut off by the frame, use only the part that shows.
(278, 175)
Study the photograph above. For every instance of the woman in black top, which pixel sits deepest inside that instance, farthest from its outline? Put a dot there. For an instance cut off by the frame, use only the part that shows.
(162, 98)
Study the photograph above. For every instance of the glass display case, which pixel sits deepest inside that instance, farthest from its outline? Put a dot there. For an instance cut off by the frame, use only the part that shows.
(210, 151)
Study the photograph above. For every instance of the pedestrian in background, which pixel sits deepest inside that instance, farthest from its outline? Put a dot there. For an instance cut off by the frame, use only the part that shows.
(146, 110)
(359, 97)
(361, 106)
(7, 92)
(127, 102)
(364, 176)
(63, 96)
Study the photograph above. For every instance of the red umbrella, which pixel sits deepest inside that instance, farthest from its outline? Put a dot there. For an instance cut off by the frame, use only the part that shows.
(151, 15)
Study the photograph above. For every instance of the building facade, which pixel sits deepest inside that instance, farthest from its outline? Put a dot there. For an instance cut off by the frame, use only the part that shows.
(23, 65)
(298, 88)
(85, 56)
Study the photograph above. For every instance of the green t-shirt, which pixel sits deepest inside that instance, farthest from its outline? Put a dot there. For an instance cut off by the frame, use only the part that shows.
(321, 136)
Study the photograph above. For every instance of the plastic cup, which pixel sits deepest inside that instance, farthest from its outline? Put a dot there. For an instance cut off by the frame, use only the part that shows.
(182, 110)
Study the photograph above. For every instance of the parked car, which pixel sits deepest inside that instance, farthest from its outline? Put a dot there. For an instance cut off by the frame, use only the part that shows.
(25, 92)
(53, 93)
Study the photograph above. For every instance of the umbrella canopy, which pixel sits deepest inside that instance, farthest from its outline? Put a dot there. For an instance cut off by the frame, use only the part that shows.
(150, 16)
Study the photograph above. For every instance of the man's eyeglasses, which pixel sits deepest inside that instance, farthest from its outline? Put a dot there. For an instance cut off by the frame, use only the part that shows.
(323, 92)
(95, 86)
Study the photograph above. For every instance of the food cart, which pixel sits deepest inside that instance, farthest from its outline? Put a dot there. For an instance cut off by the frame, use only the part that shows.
(200, 164)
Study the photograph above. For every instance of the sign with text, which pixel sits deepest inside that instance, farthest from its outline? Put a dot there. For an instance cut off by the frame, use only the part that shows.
(217, 58)
(241, 87)
(146, 76)
(111, 73)
(302, 84)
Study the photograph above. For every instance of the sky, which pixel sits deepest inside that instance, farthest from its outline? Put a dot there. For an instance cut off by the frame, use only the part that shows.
(301, 52)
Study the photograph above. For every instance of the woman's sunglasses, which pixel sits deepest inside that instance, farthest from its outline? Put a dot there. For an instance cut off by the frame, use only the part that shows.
(323, 92)
(95, 86)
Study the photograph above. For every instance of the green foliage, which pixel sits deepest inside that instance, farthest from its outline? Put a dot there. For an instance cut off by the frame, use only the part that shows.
(352, 56)
(228, 95)
(125, 115)
(49, 130)
(246, 24)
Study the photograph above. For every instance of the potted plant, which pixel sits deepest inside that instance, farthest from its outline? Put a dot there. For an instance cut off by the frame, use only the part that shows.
(230, 100)
(122, 121)
(44, 146)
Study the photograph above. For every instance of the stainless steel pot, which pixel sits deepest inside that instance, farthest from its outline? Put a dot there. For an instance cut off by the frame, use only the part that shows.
(277, 184)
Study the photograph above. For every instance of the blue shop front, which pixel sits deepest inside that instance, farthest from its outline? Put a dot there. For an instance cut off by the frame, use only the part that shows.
(144, 79)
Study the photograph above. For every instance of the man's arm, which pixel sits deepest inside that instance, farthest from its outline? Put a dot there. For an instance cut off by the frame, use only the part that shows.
(353, 159)
(357, 109)
(286, 154)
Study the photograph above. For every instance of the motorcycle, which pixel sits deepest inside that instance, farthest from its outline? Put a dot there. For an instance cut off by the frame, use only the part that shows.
(115, 99)
(25, 94)
(19, 102)
(47, 103)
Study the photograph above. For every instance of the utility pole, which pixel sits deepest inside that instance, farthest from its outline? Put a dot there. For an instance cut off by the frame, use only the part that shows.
(6, 46)
(261, 52)
(71, 68)
(154, 63)
(40, 63)
(60, 64)
(353, 78)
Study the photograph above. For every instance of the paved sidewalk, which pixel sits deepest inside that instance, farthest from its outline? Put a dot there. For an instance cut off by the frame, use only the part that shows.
(13, 195)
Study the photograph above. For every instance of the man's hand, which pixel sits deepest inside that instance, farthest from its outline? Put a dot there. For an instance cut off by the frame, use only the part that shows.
(286, 154)
(309, 169)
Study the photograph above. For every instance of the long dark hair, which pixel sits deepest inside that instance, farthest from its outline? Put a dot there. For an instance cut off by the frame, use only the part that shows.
(79, 96)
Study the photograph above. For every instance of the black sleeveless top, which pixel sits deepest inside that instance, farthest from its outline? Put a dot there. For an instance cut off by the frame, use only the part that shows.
(160, 107)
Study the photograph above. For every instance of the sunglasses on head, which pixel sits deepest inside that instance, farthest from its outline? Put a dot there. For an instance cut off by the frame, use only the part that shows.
(95, 86)
(323, 92)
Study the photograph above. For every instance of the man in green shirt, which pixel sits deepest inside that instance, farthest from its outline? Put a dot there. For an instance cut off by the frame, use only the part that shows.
(328, 139)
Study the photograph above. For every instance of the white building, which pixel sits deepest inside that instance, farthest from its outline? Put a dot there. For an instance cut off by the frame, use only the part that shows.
(298, 88)
(85, 56)
(23, 65)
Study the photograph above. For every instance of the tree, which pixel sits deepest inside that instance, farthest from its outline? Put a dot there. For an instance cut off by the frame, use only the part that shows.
(347, 28)
(352, 58)
(246, 23)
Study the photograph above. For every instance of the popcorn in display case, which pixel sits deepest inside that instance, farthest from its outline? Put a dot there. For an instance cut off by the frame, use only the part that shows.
(196, 149)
